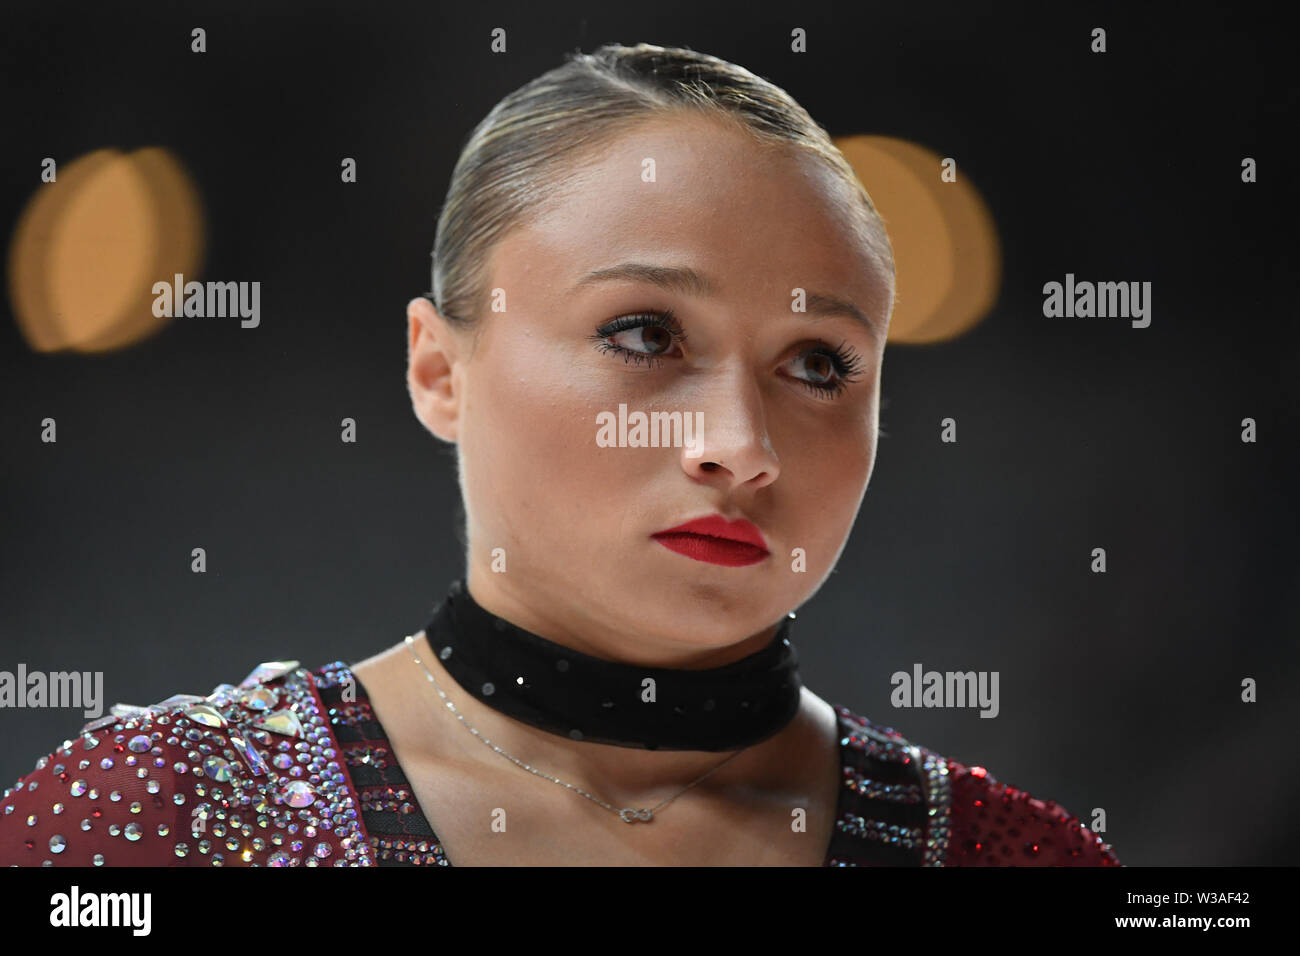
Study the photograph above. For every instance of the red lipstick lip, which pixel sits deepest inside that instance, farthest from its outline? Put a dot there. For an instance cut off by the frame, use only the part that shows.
(716, 526)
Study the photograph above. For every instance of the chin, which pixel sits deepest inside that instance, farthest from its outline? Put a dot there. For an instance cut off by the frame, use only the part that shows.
(711, 616)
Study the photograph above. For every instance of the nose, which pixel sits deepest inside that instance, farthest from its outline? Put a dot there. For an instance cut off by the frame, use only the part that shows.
(732, 449)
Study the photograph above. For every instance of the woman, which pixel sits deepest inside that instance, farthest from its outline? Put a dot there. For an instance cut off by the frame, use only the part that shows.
(659, 309)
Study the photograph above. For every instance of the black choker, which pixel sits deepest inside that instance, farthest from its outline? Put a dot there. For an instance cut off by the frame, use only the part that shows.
(581, 697)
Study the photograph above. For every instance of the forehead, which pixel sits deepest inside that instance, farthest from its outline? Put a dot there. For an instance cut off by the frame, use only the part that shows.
(694, 191)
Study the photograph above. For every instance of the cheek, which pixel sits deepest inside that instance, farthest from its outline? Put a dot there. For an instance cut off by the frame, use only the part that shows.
(530, 435)
(827, 472)
(835, 454)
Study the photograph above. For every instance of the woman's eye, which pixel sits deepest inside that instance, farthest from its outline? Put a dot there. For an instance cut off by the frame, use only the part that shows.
(819, 366)
(640, 337)
(647, 339)
(829, 371)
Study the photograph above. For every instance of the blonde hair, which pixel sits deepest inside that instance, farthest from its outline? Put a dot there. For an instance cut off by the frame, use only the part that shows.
(513, 161)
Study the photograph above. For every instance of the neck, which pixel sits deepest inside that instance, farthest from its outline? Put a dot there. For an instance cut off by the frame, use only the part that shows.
(622, 776)
(608, 720)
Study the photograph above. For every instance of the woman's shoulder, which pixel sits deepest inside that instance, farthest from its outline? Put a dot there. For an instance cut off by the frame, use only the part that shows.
(973, 819)
(248, 775)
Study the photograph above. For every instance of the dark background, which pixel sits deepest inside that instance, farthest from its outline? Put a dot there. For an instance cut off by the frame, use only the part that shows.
(1119, 691)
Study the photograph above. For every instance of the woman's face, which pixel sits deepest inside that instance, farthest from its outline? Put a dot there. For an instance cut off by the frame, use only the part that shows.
(781, 446)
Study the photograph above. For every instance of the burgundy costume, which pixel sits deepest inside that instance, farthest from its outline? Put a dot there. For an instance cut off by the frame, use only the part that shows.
(281, 770)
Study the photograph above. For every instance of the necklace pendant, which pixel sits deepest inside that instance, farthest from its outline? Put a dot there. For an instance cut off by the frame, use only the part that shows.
(630, 815)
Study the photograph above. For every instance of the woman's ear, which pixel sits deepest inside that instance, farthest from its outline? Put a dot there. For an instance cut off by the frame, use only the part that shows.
(433, 372)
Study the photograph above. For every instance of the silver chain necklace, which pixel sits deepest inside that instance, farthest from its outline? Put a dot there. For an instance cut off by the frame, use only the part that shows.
(627, 814)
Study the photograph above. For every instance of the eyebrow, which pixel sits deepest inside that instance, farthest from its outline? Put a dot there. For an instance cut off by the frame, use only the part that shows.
(687, 281)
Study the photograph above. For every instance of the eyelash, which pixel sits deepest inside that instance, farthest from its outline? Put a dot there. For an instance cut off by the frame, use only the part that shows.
(846, 361)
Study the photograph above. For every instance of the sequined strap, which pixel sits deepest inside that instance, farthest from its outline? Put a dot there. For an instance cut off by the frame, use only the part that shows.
(938, 800)
(398, 831)
(889, 805)
(892, 808)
